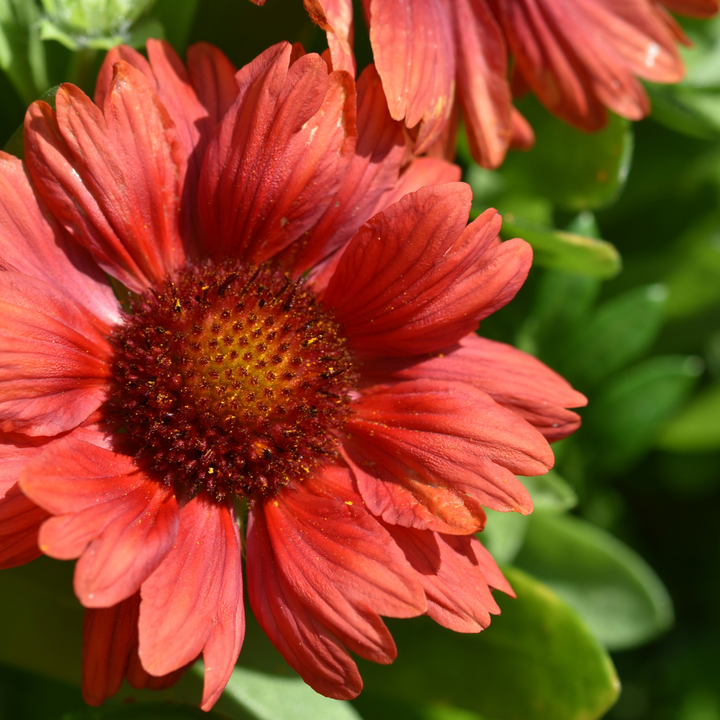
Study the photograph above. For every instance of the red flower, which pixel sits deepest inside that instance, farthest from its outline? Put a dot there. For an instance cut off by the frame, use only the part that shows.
(278, 354)
(578, 56)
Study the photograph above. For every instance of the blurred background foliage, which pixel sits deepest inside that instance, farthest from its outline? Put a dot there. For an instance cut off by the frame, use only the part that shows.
(617, 569)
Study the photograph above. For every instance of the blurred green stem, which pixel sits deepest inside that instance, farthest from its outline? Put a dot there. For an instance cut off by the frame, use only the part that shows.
(81, 68)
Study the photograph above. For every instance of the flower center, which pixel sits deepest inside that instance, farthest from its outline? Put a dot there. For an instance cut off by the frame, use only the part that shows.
(230, 379)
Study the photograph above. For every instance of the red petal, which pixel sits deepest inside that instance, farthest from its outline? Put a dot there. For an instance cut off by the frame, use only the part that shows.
(320, 567)
(178, 96)
(483, 88)
(112, 178)
(414, 51)
(512, 378)
(109, 636)
(276, 162)
(523, 136)
(53, 358)
(20, 518)
(420, 173)
(693, 8)
(140, 679)
(413, 280)
(120, 523)
(340, 562)
(371, 174)
(308, 646)
(110, 643)
(196, 101)
(193, 602)
(426, 436)
(445, 146)
(315, 10)
(577, 63)
(406, 498)
(107, 70)
(20, 521)
(491, 571)
(213, 77)
(339, 14)
(456, 589)
(32, 243)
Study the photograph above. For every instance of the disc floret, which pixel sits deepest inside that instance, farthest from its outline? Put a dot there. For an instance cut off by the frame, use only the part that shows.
(232, 379)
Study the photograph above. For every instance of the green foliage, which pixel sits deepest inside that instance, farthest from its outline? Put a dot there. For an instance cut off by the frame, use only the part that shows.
(587, 170)
(268, 697)
(45, 636)
(97, 24)
(632, 407)
(620, 331)
(615, 592)
(22, 54)
(693, 106)
(144, 711)
(550, 492)
(561, 250)
(694, 281)
(697, 427)
(537, 661)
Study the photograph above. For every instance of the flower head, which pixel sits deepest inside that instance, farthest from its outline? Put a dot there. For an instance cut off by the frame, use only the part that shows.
(294, 353)
(580, 57)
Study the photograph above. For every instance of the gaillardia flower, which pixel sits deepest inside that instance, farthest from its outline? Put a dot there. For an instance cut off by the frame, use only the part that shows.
(580, 57)
(292, 353)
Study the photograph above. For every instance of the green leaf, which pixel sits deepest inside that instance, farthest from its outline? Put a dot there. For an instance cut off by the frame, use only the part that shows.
(564, 299)
(697, 427)
(687, 110)
(50, 31)
(15, 145)
(504, 534)
(176, 16)
(28, 696)
(694, 283)
(45, 635)
(561, 250)
(269, 697)
(142, 31)
(574, 169)
(632, 407)
(536, 661)
(550, 492)
(22, 55)
(562, 304)
(702, 59)
(622, 329)
(379, 707)
(615, 592)
(144, 711)
(584, 223)
(93, 18)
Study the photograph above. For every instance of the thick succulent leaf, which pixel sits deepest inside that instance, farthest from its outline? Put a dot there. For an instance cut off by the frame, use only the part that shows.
(550, 492)
(633, 405)
(45, 635)
(616, 593)
(696, 428)
(537, 661)
(566, 251)
(621, 331)
(588, 170)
